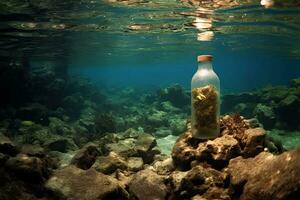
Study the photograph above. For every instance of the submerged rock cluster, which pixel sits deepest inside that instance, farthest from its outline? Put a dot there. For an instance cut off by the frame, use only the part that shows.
(276, 107)
(241, 163)
(67, 139)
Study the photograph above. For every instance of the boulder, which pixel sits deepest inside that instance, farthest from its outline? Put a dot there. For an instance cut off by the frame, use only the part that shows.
(147, 185)
(184, 152)
(253, 142)
(109, 164)
(266, 176)
(86, 156)
(175, 94)
(219, 151)
(164, 167)
(236, 138)
(74, 183)
(198, 180)
(144, 146)
(61, 144)
(29, 169)
(125, 148)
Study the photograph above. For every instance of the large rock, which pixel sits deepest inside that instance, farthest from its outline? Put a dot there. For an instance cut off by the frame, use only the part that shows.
(29, 169)
(61, 144)
(125, 148)
(72, 183)
(86, 156)
(218, 151)
(109, 164)
(141, 146)
(265, 114)
(184, 152)
(198, 180)
(266, 176)
(175, 94)
(135, 163)
(236, 138)
(144, 146)
(253, 142)
(147, 185)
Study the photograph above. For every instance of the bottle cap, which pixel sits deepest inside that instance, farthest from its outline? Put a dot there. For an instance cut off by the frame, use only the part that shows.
(205, 58)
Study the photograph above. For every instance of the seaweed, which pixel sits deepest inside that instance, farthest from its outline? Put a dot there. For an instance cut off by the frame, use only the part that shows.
(205, 102)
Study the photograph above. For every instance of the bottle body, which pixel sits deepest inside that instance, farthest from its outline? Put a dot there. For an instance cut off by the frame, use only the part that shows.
(205, 102)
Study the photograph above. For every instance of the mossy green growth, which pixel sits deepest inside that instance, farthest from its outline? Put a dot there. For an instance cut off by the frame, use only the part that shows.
(27, 123)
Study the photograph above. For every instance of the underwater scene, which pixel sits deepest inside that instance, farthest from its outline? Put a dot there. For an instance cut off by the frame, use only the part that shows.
(149, 99)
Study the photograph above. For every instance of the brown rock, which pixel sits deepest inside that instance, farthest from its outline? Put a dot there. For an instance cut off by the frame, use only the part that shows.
(184, 151)
(135, 163)
(147, 185)
(266, 176)
(109, 164)
(144, 145)
(124, 148)
(219, 151)
(31, 169)
(164, 167)
(254, 142)
(198, 181)
(74, 183)
(86, 156)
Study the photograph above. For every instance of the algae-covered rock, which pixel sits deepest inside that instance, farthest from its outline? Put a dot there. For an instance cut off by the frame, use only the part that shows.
(265, 115)
(144, 145)
(175, 94)
(74, 183)
(59, 127)
(125, 148)
(109, 164)
(58, 143)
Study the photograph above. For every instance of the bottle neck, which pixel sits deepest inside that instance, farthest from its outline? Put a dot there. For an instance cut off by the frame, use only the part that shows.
(205, 65)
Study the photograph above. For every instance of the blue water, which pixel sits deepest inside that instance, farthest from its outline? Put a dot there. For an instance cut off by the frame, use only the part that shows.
(241, 70)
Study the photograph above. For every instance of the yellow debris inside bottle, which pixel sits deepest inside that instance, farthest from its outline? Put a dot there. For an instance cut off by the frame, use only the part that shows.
(205, 104)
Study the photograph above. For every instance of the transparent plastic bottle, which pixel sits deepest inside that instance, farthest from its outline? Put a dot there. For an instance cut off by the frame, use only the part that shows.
(205, 100)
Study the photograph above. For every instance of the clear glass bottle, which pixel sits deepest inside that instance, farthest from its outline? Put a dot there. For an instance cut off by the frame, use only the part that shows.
(205, 100)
